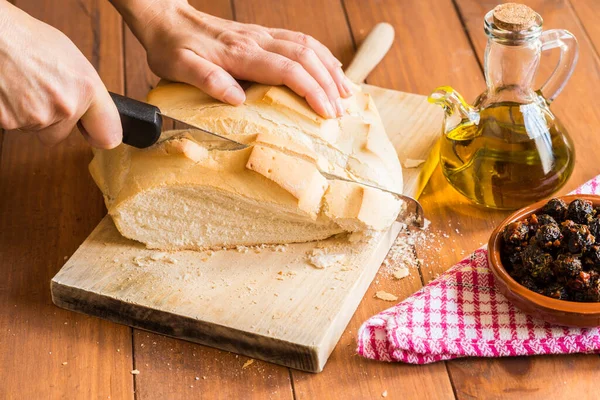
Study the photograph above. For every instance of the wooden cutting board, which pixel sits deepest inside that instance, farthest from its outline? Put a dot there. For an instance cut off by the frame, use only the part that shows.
(268, 303)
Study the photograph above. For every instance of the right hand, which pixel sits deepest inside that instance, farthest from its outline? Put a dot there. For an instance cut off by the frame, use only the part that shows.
(47, 85)
(187, 45)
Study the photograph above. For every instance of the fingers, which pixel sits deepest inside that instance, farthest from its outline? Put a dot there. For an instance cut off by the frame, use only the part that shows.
(101, 124)
(208, 77)
(55, 133)
(332, 64)
(274, 69)
(313, 65)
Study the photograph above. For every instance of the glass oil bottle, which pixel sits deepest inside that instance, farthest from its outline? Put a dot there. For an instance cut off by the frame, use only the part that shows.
(508, 150)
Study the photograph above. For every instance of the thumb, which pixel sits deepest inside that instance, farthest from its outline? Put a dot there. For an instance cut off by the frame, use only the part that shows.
(101, 123)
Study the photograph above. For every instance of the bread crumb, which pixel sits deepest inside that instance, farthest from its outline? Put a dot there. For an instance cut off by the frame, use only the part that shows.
(413, 163)
(319, 258)
(247, 363)
(197, 378)
(242, 249)
(384, 394)
(280, 248)
(383, 295)
(361, 236)
(426, 224)
(135, 372)
(157, 256)
(64, 363)
(400, 273)
(140, 261)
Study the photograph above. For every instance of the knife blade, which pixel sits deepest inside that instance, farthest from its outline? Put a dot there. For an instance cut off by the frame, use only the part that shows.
(143, 124)
(221, 142)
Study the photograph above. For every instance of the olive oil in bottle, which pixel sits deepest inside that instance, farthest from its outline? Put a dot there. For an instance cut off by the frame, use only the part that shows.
(515, 155)
(507, 150)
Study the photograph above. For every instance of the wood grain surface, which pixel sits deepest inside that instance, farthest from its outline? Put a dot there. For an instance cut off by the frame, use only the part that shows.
(170, 366)
(434, 39)
(267, 303)
(547, 376)
(103, 278)
(588, 14)
(48, 205)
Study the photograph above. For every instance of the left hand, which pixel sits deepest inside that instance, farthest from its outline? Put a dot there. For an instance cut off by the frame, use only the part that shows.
(186, 45)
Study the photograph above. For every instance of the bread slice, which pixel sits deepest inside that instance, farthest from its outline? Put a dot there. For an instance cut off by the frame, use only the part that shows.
(183, 193)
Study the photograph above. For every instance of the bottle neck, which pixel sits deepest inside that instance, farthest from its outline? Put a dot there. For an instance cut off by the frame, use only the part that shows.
(510, 70)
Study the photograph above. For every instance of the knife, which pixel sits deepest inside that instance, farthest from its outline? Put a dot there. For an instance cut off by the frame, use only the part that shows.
(143, 123)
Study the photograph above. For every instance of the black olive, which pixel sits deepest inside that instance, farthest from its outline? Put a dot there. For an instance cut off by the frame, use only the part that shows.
(529, 283)
(538, 264)
(593, 291)
(580, 211)
(515, 233)
(567, 266)
(594, 227)
(577, 237)
(545, 219)
(556, 291)
(543, 271)
(548, 235)
(580, 282)
(556, 253)
(556, 208)
(591, 258)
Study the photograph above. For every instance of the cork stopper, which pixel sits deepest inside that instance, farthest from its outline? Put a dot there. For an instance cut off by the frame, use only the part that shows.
(514, 17)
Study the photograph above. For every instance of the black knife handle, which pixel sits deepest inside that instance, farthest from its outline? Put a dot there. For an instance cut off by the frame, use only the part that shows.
(141, 122)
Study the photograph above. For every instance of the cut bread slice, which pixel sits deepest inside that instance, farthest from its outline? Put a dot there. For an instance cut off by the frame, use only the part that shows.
(354, 145)
(183, 194)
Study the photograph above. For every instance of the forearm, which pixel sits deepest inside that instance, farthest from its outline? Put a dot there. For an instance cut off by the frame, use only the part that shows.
(132, 8)
(186, 45)
(4, 11)
(139, 15)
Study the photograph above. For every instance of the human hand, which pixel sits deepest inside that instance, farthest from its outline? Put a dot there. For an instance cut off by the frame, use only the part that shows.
(47, 85)
(186, 45)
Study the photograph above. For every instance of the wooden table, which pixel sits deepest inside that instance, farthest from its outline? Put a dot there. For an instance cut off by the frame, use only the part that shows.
(49, 204)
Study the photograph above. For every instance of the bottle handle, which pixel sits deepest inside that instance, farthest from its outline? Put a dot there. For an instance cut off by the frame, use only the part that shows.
(569, 53)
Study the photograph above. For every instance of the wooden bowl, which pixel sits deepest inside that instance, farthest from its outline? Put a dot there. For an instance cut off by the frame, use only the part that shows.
(561, 312)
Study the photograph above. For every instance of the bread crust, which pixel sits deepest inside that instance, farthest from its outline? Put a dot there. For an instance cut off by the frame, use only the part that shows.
(289, 144)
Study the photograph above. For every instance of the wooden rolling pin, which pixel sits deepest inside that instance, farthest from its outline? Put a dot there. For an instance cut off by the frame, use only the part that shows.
(370, 52)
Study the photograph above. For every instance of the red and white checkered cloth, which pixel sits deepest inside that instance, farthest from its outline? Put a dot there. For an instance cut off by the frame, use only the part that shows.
(461, 314)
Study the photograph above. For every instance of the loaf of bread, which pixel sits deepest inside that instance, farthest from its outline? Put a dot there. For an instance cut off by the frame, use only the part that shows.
(187, 192)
